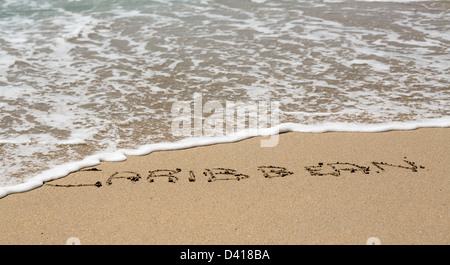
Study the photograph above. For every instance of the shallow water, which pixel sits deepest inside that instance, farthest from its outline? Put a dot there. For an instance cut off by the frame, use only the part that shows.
(80, 77)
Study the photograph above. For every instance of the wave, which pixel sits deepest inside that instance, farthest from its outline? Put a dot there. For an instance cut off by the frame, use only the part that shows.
(121, 155)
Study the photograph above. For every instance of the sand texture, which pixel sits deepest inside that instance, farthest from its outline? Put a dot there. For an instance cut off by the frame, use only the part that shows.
(312, 188)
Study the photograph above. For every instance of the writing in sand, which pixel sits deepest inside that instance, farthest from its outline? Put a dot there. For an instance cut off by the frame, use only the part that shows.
(228, 174)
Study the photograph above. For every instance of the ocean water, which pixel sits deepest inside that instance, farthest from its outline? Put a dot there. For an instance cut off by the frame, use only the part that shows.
(87, 77)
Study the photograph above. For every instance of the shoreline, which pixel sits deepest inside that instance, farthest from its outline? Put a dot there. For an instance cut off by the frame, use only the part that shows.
(311, 188)
(121, 154)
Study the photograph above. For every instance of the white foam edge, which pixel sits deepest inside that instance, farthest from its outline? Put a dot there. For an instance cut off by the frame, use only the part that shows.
(121, 155)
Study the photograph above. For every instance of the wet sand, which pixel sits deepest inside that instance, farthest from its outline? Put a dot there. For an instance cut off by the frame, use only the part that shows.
(311, 188)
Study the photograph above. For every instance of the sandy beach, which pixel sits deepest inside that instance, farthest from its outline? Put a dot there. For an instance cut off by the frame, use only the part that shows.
(312, 188)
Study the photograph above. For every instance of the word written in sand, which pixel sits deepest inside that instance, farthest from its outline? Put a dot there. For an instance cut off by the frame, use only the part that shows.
(336, 169)
(173, 175)
(219, 174)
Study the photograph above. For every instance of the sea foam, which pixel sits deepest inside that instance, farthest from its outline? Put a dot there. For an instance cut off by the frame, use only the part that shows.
(121, 155)
(84, 77)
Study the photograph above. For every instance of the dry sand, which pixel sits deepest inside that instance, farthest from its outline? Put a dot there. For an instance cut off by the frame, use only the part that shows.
(402, 198)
